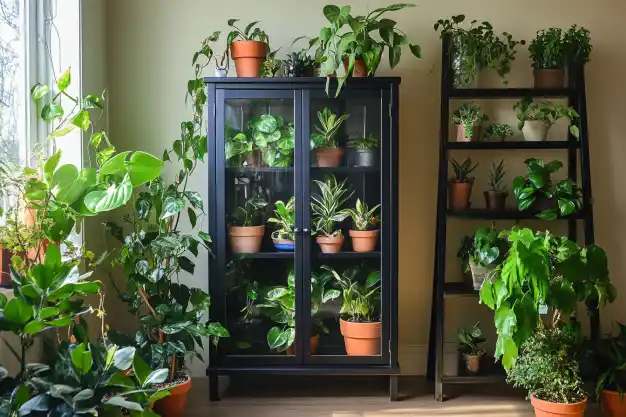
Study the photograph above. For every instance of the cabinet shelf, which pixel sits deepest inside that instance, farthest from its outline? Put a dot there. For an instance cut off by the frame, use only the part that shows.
(509, 92)
(345, 170)
(349, 255)
(255, 170)
(518, 144)
(459, 289)
(265, 255)
(485, 214)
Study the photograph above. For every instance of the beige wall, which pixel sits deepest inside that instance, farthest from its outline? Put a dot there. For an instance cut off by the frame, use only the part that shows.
(150, 44)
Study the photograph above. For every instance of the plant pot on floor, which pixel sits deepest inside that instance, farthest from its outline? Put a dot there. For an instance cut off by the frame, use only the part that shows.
(465, 135)
(284, 245)
(459, 195)
(495, 200)
(480, 274)
(549, 78)
(246, 239)
(364, 240)
(174, 404)
(329, 157)
(548, 409)
(314, 342)
(359, 70)
(248, 57)
(535, 130)
(330, 244)
(612, 406)
(472, 363)
(361, 339)
(366, 157)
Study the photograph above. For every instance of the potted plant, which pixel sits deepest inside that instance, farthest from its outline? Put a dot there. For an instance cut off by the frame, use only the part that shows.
(273, 139)
(279, 305)
(549, 55)
(284, 236)
(238, 148)
(497, 132)
(248, 48)
(366, 150)
(271, 65)
(468, 119)
(300, 64)
(486, 254)
(469, 341)
(476, 47)
(611, 365)
(327, 210)
(246, 229)
(356, 49)
(467, 245)
(577, 46)
(360, 311)
(536, 191)
(327, 150)
(364, 239)
(460, 185)
(495, 197)
(535, 119)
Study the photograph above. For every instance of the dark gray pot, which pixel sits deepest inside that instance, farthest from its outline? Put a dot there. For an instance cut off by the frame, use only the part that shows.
(366, 157)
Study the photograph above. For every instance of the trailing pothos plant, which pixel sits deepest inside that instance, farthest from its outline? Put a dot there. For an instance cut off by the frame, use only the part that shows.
(365, 38)
(155, 251)
(538, 184)
(542, 270)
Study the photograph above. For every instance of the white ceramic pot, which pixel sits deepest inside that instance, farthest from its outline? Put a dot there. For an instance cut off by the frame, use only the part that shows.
(480, 274)
(535, 130)
(222, 73)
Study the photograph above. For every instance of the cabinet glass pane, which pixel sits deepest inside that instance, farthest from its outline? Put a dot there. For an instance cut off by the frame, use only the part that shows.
(259, 153)
(345, 195)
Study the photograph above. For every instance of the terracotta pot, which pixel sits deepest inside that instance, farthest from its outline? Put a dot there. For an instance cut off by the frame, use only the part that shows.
(472, 363)
(535, 130)
(549, 78)
(611, 404)
(248, 57)
(359, 70)
(246, 239)
(461, 133)
(174, 404)
(495, 201)
(330, 244)
(364, 240)
(329, 157)
(5, 263)
(548, 409)
(459, 195)
(361, 339)
(315, 340)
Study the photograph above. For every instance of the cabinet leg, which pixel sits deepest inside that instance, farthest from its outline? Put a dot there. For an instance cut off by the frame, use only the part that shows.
(438, 391)
(393, 388)
(214, 387)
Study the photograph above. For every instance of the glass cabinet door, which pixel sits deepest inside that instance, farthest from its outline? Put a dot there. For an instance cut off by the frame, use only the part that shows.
(343, 140)
(256, 148)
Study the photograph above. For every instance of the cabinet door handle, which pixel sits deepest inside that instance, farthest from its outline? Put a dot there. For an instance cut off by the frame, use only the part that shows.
(305, 230)
(296, 230)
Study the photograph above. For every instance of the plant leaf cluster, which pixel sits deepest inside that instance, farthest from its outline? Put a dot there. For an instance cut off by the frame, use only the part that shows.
(363, 218)
(496, 177)
(360, 293)
(327, 129)
(327, 206)
(547, 112)
(285, 219)
(470, 339)
(463, 170)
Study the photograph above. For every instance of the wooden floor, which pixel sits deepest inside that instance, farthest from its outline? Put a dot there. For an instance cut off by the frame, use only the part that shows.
(354, 398)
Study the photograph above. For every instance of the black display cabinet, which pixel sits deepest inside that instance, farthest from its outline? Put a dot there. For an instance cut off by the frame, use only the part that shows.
(259, 138)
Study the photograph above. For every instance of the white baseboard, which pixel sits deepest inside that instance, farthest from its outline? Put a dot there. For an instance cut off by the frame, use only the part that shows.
(414, 359)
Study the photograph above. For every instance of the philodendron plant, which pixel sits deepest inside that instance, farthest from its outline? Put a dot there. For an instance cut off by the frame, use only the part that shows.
(274, 138)
(365, 40)
(546, 112)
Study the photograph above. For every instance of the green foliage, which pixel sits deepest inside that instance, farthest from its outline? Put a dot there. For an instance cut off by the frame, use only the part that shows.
(363, 218)
(610, 357)
(363, 142)
(499, 131)
(271, 64)
(547, 112)
(496, 177)
(365, 38)
(578, 45)
(300, 62)
(327, 129)
(547, 368)
(284, 220)
(360, 293)
(250, 214)
(488, 248)
(463, 170)
(538, 184)
(541, 269)
(548, 49)
(327, 206)
(237, 147)
(470, 115)
(470, 339)
(274, 139)
(477, 47)
(466, 248)
(247, 34)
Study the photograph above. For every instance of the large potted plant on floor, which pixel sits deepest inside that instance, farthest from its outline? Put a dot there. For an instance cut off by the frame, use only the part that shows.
(284, 235)
(536, 119)
(248, 48)
(246, 228)
(469, 348)
(487, 252)
(324, 142)
(610, 354)
(495, 196)
(360, 310)
(365, 234)
(327, 210)
(460, 184)
(468, 119)
(536, 191)
(543, 271)
(549, 55)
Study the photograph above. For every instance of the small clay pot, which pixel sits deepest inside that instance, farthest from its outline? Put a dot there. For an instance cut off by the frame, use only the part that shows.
(359, 70)
(174, 404)
(548, 409)
(495, 200)
(472, 362)
(315, 340)
(364, 240)
(612, 406)
(535, 130)
(246, 239)
(248, 57)
(361, 339)
(461, 133)
(329, 157)
(330, 244)
(549, 78)
(459, 195)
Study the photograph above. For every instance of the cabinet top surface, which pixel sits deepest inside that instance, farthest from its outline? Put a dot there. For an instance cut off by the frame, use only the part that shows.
(300, 80)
